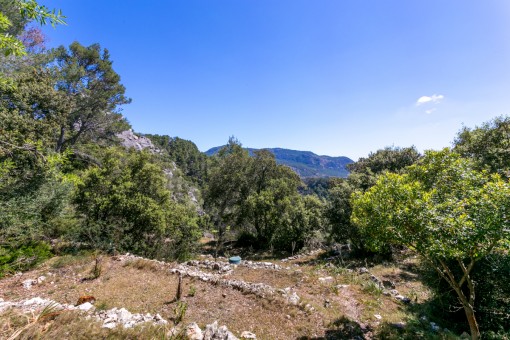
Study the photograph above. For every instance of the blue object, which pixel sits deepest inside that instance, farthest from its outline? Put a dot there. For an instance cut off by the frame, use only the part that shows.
(234, 260)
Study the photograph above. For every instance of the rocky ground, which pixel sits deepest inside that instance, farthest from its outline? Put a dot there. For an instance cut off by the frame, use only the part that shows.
(296, 298)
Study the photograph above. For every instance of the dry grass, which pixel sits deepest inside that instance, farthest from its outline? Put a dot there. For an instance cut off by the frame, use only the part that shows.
(144, 286)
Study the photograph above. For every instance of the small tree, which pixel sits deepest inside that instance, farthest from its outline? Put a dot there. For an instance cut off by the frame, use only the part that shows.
(444, 210)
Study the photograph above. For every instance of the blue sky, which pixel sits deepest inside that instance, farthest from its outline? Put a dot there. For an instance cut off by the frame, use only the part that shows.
(336, 77)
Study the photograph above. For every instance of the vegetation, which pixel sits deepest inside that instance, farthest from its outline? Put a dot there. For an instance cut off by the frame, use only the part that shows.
(66, 179)
(443, 209)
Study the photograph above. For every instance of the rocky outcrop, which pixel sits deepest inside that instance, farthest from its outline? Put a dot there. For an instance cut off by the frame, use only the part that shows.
(130, 140)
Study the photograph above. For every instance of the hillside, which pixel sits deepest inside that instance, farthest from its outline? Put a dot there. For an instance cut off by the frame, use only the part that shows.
(294, 298)
(305, 163)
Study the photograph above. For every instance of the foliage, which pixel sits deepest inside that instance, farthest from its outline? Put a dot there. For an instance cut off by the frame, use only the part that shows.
(23, 257)
(227, 187)
(261, 198)
(185, 154)
(363, 176)
(14, 15)
(84, 75)
(34, 200)
(492, 304)
(443, 209)
(318, 186)
(126, 206)
(489, 145)
(13, 18)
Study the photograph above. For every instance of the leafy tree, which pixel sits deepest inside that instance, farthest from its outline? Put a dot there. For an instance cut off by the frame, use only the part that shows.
(126, 206)
(92, 89)
(34, 207)
(489, 145)
(14, 15)
(363, 175)
(29, 111)
(227, 187)
(318, 186)
(444, 209)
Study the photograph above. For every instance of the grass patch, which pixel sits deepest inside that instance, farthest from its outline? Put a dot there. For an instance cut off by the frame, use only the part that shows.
(142, 264)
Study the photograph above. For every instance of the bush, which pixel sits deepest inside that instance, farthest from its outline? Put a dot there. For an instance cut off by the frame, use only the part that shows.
(13, 259)
(126, 206)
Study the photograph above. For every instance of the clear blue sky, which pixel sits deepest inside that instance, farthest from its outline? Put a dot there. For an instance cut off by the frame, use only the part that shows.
(336, 77)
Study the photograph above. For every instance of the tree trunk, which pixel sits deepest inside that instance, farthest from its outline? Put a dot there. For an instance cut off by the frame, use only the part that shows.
(473, 325)
(60, 142)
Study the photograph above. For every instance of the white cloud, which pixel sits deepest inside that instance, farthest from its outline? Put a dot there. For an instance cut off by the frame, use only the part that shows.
(430, 111)
(435, 98)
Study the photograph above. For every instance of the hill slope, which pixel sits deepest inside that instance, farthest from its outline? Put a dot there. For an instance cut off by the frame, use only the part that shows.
(305, 163)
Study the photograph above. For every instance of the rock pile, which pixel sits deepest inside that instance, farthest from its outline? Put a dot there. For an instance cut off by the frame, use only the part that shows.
(298, 256)
(110, 318)
(225, 267)
(122, 317)
(213, 332)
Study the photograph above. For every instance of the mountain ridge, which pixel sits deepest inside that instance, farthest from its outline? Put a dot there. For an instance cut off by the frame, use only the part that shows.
(306, 164)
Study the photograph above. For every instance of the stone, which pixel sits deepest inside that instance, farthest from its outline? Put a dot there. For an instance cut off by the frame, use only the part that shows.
(377, 316)
(27, 284)
(363, 270)
(193, 332)
(326, 279)
(109, 325)
(86, 306)
(41, 278)
(293, 299)
(35, 301)
(248, 335)
(341, 286)
(403, 298)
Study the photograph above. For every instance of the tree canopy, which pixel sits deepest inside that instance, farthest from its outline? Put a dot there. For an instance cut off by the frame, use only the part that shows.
(442, 208)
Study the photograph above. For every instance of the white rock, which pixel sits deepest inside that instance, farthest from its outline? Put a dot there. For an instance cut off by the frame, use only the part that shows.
(248, 335)
(377, 316)
(109, 325)
(325, 279)
(4, 305)
(124, 315)
(193, 332)
(86, 306)
(35, 301)
(294, 298)
(27, 284)
(41, 278)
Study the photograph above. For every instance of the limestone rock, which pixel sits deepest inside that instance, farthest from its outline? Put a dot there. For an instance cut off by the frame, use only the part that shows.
(193, 332)
(248, 335)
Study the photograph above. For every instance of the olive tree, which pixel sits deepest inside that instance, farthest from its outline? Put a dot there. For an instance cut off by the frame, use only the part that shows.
(446, 211)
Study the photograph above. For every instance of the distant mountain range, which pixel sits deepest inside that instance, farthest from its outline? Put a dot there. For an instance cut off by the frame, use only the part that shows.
(305, 163)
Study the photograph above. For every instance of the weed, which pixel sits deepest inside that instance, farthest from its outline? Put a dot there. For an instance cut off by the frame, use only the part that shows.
(70, 260)
(192, 291)
(372, 288)
(101, 306)
(142, 264)
(97, 270)
(180, 312)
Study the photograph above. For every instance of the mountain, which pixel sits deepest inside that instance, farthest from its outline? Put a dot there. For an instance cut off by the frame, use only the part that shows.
(305, 163)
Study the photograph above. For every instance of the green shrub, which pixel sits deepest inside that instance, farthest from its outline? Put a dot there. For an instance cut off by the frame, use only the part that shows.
(13, 259)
